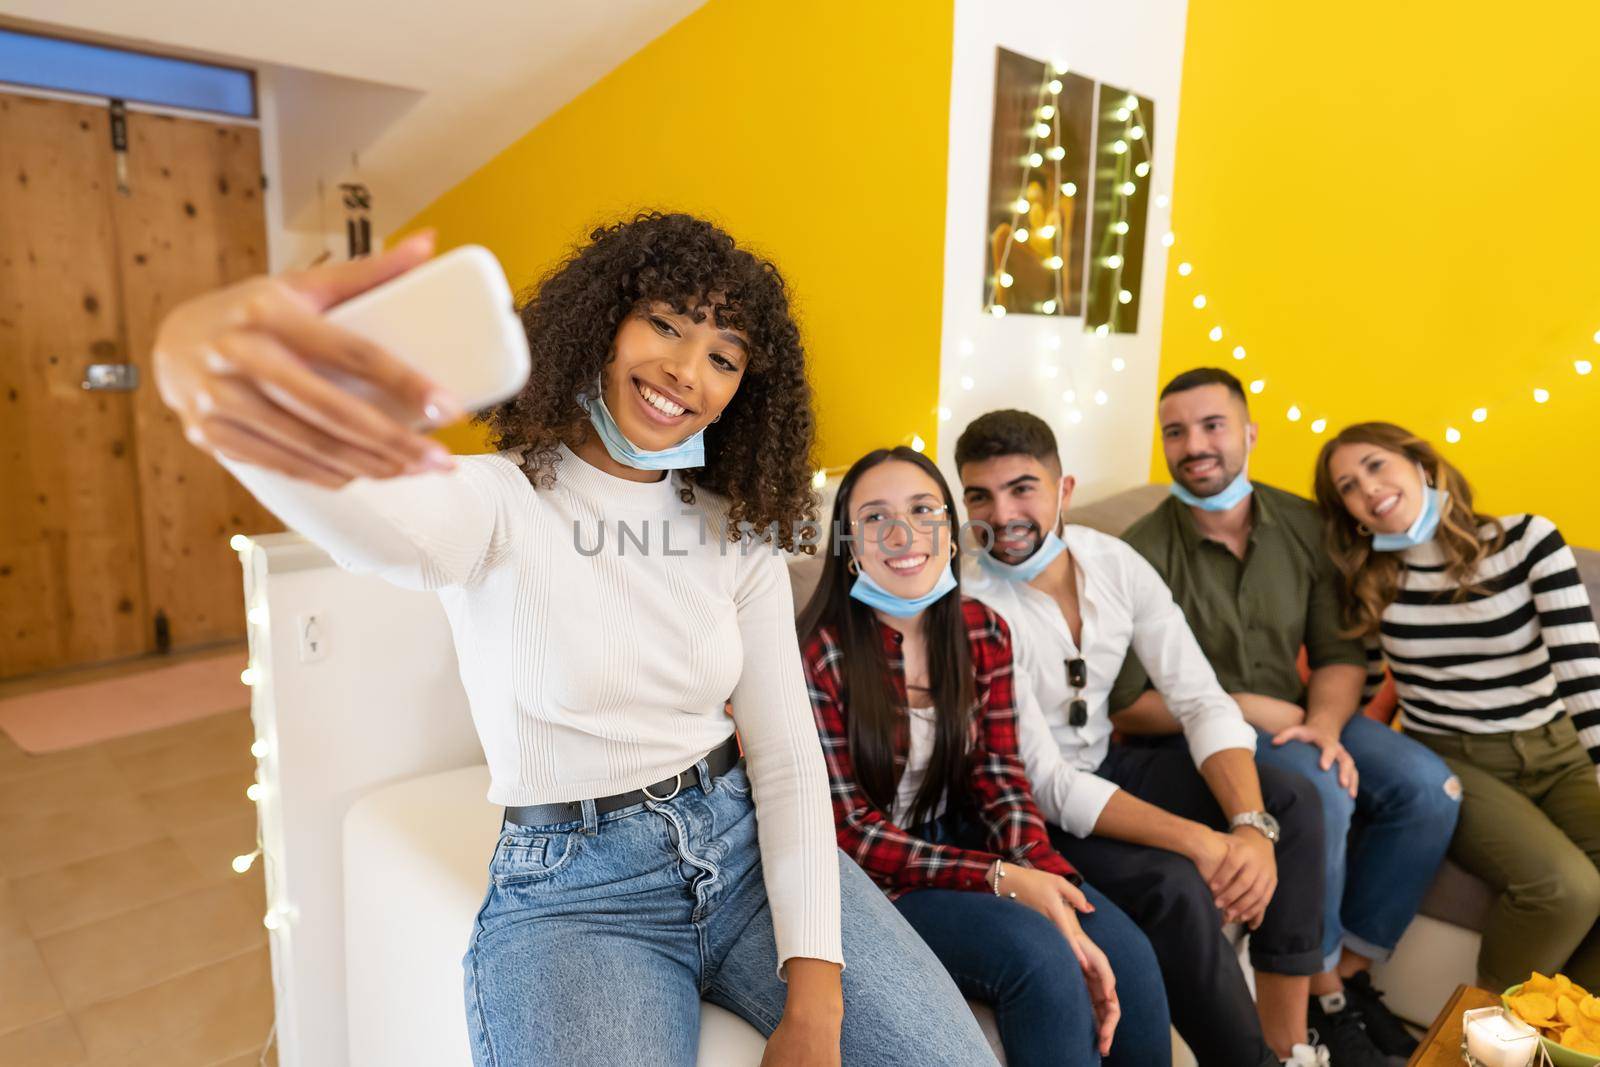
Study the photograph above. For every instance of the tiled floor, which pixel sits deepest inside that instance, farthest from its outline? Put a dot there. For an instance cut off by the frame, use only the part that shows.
(125, 936)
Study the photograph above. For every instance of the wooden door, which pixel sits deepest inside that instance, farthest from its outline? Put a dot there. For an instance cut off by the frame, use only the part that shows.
(191, 221)
(112, 527)
(71, 578)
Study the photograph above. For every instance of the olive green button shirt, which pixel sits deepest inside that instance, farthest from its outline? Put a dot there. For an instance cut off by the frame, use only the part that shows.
(1252, 615)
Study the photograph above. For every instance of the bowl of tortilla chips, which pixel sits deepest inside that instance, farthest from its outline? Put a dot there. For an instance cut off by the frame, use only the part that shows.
(1566, 1015)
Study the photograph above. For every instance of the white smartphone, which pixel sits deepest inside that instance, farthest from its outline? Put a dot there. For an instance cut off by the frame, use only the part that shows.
(451, 318)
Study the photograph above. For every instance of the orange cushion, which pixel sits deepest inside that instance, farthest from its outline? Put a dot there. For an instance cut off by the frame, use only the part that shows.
(1384, 702)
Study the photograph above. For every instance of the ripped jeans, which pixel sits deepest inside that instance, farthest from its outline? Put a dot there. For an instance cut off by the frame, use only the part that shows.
(596, 944)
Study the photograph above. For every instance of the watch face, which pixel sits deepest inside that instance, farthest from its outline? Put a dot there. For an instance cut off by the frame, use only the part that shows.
(1270, 824)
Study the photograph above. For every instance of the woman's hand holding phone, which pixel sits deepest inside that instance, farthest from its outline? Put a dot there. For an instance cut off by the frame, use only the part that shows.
(240, 366)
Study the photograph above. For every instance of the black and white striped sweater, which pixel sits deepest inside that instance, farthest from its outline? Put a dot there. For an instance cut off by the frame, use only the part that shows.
(1518, 655)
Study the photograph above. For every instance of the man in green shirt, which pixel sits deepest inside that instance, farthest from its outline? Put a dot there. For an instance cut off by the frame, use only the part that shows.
(1246, 564)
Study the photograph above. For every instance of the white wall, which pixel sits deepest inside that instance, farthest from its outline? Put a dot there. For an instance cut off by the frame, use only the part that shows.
(1133, 44)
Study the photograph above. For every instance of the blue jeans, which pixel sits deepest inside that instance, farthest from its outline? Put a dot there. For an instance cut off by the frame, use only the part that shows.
(1383, 846)
(1015, 960)
(599, 938)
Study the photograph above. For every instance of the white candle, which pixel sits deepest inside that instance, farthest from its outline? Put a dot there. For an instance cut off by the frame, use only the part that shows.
(1494, 1039)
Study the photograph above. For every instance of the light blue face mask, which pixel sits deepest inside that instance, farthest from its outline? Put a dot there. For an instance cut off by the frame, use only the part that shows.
(1030, 568)
(1236, 491)
(876, 596)
(690, 452)
(1422, 529)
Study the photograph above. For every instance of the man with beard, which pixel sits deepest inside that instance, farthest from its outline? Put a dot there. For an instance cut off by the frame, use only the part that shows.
(1182, 840)
(1245, 562)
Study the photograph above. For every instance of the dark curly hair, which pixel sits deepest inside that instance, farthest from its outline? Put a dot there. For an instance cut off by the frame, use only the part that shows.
(759, 454)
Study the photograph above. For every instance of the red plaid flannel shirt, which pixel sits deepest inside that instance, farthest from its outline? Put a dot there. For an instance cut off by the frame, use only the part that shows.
(897, 861)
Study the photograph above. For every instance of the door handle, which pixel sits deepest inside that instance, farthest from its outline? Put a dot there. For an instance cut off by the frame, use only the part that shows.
(115, 377)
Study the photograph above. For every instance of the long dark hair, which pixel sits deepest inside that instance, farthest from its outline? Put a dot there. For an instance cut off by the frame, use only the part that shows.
(874, 719)
(759, 454)
(1372, 579)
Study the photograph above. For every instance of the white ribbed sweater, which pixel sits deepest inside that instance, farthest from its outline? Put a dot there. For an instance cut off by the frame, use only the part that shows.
(596, 672)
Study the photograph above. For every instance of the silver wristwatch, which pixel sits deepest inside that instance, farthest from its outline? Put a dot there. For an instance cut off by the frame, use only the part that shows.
(1257, 820)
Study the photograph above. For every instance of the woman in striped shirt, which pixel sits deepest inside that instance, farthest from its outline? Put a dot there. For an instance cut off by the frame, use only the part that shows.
(1487, 630)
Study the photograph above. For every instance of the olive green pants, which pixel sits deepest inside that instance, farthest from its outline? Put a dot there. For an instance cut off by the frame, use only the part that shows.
(1530, 827)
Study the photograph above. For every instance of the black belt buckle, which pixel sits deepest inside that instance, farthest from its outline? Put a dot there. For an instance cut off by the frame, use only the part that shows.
(1078, 712)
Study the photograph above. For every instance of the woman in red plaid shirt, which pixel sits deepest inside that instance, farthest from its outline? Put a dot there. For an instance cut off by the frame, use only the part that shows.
(911, 686)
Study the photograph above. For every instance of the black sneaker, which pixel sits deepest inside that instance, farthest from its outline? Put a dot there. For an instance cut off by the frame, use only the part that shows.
(1347, 1043)
(1384, 1027)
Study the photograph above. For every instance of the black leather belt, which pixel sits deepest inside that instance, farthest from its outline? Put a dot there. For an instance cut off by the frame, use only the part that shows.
(719, 761)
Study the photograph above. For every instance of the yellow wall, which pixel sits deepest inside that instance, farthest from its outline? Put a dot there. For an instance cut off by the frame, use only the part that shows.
(814, 132)
(1395, 208)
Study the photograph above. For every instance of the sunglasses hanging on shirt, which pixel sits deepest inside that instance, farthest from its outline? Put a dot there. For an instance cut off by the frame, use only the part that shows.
(1078, 679)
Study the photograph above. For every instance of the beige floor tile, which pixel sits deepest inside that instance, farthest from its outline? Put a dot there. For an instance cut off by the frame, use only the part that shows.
(52, 1043)
(95, 889)
(23, 765)
(33, 843)
(27, 995)
(186, 761)
(235, 724)
(117, 956)
(204, 800)
(212, 846)
(82, 784)
(198, 1018)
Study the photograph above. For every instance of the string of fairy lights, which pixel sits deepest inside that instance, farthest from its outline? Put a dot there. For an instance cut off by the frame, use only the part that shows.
(1452, 431)
(1046, 127)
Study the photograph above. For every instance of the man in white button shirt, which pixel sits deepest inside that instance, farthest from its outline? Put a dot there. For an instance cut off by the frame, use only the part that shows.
(1182, 838)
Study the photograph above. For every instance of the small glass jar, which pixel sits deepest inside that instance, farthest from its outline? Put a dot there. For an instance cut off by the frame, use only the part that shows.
(1493, 1037)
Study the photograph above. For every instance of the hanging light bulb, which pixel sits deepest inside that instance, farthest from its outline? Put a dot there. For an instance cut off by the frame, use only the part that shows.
(1216, 333)
(1452, 434)
(256, 791)
(1294, 413)
(1051, 340)
(1318, 425)
(1069, 395)
(1119, 364)
(1022, 205)
(1021, 235)
(1102, 330)
(917, 443)
(1185, 269)
(1131, 102)
(1200, 300)
(243, 863)
(1169, 239)
(1137, 133)
(966, 381)
(1142, 169)
(1582, 366)
(1054, 262)
(1048, 111)
(1119, 227)
(998, 311)
(258, 748)
(257, 615)
(1047, 232)
(1114, 261)
(249, 676)
(1125, 297)
(1069, 188)
(1035, 159)
(1480, 414)
(1120, 147)
(1048, 307)
(1258, 385)
(1059, 66)
(819, 480)
(1074, 416)
(944, 414)
(1238, 352)
(1055, 152)
(1055, 86)
(1129, 188)
(238, 542)
(1100, 397)
(1042, 130)
(1122, 114)
(1006, 280)
(966, 346)
(1162, 200)
(1541, 395)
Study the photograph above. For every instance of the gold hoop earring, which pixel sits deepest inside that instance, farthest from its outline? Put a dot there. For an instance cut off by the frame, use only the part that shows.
(1363, 529)
(850, 565)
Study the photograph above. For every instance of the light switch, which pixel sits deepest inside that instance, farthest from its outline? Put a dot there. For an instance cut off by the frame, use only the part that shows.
(313, 629)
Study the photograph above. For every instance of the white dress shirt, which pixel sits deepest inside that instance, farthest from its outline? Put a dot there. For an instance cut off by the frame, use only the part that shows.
(1123, 603)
